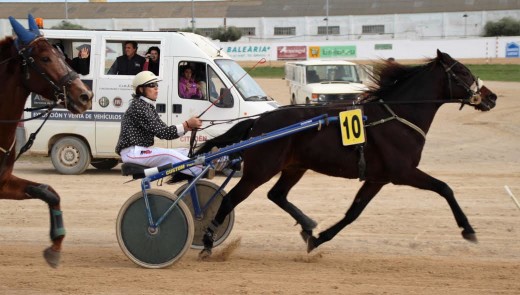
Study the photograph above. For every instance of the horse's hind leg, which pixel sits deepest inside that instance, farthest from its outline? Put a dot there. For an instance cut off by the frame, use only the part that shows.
(421, 180)
(365, 194)
(278, 194)
(19, 189)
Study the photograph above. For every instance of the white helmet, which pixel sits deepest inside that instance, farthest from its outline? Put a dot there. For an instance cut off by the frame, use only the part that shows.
(144, 77)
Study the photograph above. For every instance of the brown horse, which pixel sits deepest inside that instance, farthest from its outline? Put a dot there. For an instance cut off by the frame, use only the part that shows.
(29, 63)
(398, 113)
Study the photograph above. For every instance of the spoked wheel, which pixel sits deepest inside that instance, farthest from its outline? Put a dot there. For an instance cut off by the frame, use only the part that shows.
(160, 247)
(205, 190)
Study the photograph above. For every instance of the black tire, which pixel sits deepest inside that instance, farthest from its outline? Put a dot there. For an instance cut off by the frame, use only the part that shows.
(163, 247)
(70, 155)
(104, 164)
(206, 189)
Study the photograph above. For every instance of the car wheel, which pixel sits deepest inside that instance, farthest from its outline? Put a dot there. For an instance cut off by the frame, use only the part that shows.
(70, 155)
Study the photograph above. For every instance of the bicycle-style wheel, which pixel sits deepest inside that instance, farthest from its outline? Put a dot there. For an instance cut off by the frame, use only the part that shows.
(205, 190)
(159, 248)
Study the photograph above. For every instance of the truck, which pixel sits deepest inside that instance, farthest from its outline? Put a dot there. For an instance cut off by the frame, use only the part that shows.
(318, 81)
(74, 141)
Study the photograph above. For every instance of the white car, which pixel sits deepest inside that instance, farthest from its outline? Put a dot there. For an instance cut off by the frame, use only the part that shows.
(316, 81)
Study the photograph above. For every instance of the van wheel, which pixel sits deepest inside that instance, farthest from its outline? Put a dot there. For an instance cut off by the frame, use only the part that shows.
(70, 155)
(104, 164)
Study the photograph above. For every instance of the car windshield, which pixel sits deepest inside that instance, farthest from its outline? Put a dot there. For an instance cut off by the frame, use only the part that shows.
(246, 85)
(329, 73)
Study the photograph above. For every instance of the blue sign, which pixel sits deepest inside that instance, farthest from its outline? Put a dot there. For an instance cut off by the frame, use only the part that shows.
(512, 50)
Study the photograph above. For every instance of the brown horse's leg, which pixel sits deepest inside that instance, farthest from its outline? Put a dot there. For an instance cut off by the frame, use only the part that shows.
(421, 180)
(365, 194)
(19, 189)
(247, 184)
(278, 194)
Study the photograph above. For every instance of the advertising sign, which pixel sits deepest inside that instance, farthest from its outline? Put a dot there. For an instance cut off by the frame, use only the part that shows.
(250, 52)
(291, 52)
(512, 49)
(332, 51)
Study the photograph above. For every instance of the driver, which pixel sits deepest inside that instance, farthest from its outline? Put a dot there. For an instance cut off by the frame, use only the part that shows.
(141, 124)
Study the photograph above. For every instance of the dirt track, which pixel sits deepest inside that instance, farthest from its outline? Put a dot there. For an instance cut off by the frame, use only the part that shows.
(406, 241)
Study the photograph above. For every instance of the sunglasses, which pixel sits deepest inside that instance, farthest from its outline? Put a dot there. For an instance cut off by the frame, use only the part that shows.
(151, 85)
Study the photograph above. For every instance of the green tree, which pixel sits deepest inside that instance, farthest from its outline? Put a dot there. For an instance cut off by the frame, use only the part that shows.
(232, 33)
(66, 25)
(507, 26)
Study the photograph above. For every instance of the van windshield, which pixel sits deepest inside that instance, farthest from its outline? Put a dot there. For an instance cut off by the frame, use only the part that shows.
(247, 86)
(329, 73)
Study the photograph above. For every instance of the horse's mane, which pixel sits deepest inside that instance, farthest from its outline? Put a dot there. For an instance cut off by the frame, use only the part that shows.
(387, 75)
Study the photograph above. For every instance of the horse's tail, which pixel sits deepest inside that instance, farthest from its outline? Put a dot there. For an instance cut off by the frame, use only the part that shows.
(238, 132)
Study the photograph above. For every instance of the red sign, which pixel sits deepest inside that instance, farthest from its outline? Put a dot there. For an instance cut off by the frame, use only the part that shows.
(291, 52)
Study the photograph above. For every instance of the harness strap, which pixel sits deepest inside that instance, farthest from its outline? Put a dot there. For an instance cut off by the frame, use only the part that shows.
(395, 117)
(6, 155)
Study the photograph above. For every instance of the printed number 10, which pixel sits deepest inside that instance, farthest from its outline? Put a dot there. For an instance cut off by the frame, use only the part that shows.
(355, 123)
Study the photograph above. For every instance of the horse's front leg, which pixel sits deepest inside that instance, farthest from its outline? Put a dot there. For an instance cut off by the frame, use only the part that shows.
(278, 195)
(236, 195)
(365, 194)
(20, 189)
(421, 180)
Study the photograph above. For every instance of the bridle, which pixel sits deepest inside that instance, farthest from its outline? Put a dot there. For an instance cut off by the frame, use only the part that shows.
(60, 90)
(474, 98)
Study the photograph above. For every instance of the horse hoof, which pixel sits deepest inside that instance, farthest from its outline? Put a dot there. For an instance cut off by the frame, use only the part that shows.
(52, 257)
(312, 243)
(205, 253)
(470, 237)
(306, 235)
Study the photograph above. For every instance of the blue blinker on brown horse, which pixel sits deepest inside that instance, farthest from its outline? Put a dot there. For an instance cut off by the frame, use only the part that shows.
(29, 63)
(399, 111)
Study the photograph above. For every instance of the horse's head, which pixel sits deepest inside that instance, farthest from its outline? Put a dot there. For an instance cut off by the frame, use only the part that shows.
(464, 86)
(46, 72)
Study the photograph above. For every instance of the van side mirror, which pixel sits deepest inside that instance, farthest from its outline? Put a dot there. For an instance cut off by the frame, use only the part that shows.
(227, 98)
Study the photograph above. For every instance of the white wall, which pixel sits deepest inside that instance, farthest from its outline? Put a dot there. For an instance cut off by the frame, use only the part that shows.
(365, 49)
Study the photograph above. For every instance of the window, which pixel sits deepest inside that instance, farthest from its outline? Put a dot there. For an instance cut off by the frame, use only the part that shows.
(333, 30)
(116, 48)
(206, 31)
(284, 31)
(168, 30)
(192, 80)
(373, 29)
(248, 31)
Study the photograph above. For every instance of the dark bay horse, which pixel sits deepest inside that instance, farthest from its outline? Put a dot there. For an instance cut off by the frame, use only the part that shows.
(29, 63)
(398, 113)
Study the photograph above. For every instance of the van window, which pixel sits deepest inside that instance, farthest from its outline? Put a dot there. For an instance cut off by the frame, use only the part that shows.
(192, 80)
(245, 84)
(71, 49)
(116, 48)
(326, 73)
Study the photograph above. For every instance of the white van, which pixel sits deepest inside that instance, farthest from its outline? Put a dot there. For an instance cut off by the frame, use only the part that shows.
(75, 141)
(315, 81)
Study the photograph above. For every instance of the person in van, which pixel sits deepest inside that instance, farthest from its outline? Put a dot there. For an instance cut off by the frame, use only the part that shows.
(129, 63)
(141, 124)
(188, 88)
(152, 60)
(81, 63)
(60, 47)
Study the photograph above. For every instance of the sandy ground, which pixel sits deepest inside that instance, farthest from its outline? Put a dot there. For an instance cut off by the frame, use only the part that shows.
(406, 241)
